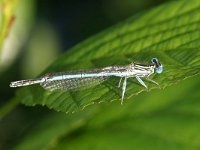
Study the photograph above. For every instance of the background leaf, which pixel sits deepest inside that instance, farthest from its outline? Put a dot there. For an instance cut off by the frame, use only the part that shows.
(167, 32)
(6, 19)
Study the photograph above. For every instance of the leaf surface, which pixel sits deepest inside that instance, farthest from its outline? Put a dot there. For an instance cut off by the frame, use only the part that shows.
(162, 119)
(169, 32)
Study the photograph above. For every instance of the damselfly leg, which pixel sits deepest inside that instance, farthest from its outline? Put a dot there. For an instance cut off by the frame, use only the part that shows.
(153, 81)
(119, 83)
(141, 82)
(123, 89)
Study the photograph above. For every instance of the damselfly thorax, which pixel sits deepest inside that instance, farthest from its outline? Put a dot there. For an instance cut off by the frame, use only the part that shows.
(85, 78)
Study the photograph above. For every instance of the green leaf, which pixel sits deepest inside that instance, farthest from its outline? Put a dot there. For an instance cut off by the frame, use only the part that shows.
(170, 32)
(162, 119)
(158, 121)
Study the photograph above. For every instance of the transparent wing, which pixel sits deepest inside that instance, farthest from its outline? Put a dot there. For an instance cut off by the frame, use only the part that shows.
(78, 83)
(73, 83)
(69, 84)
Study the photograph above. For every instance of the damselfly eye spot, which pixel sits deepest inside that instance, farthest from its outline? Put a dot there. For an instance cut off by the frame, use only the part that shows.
(154, 60)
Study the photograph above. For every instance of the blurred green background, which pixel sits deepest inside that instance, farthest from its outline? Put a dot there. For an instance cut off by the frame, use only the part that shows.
(39, 32)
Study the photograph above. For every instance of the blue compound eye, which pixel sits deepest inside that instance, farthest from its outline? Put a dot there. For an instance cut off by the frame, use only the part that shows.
(159, 69)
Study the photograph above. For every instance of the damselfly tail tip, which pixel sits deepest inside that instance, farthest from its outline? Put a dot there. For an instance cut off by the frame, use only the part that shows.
(16, 84)
(12, 84)
(25, 82)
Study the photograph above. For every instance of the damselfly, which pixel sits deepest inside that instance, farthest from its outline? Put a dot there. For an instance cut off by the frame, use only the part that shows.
(83, 78)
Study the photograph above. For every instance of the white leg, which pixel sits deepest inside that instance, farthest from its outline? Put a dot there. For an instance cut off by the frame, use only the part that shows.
(119, 83)
(141, 82)
(123, 90)
(153, 81)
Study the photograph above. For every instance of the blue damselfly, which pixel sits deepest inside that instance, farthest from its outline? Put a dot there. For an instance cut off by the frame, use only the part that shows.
(83, 78)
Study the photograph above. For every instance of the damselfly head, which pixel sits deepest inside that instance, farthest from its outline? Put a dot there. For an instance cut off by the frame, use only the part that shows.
(158, 65)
